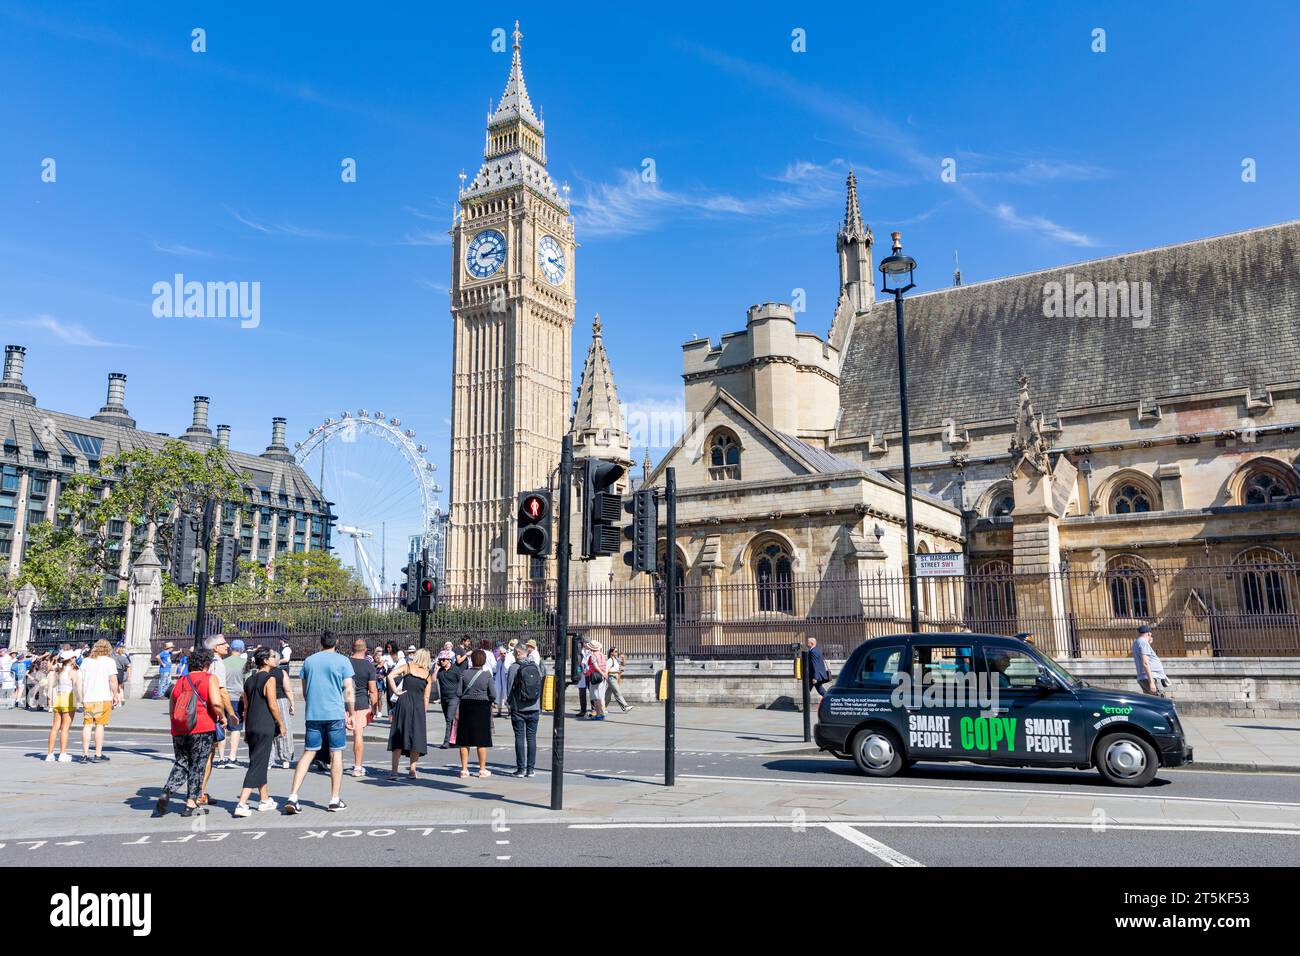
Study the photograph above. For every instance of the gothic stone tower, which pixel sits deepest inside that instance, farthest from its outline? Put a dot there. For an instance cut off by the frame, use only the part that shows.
(512, 312)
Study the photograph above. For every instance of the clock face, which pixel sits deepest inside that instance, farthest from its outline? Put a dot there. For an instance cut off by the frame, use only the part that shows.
(486, 253)
(550, 259)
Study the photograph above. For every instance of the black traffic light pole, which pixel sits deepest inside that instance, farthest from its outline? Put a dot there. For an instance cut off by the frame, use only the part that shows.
(670, 628)
(205, 537)
(424, 613)
(561, 626)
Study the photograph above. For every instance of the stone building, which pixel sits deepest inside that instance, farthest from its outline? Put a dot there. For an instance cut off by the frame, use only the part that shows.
(42, 448)
(1131, 418)
(512, 305)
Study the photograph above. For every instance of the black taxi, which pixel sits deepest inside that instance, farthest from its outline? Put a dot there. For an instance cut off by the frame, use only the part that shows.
(991, 700)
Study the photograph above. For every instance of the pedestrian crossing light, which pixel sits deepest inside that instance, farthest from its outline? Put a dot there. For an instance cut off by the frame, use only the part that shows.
(185, 540)
(643, 532)
(601, 507)
(227, 559)
(428, 599)
(533, 524)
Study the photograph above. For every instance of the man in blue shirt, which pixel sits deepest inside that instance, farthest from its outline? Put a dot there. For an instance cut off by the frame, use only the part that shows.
(1150, 669)
(19, 669)
(328, 689)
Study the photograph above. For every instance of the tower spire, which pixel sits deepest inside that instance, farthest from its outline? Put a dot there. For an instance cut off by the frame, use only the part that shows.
(853, 228)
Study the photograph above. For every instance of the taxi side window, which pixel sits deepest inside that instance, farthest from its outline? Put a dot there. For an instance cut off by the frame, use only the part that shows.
(941, 664)
(1010, 669)
(879, 665)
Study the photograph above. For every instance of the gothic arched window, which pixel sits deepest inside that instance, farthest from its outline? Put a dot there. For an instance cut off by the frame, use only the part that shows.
(1130, 499)
(724, 456)
(1263, 486)
(1128, 579)
(993, 597)
(1001, 501)
(774, 577)
(1266, 582)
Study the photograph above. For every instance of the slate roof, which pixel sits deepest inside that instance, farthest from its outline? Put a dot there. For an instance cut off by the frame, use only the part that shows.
(32, 429)
(1226, 315)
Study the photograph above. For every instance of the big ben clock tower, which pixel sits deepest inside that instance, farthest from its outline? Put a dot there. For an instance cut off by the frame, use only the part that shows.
(512, 310)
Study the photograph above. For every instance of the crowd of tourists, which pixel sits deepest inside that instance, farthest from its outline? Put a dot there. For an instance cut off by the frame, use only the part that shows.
(229, 692)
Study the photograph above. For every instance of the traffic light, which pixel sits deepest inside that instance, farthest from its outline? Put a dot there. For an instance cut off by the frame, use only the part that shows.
(533, 527)
(427, 599)
(600, 507)
(185, 541)
(410, 590)
(643, 532)
(227, 559)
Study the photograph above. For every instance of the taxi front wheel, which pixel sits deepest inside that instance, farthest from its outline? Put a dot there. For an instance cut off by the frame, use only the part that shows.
(1126, 760)
(876, 752)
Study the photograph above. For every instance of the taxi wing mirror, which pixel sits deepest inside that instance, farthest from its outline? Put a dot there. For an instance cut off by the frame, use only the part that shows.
(1045, 680)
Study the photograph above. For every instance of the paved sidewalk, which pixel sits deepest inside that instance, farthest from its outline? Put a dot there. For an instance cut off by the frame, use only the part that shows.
(1221, 743)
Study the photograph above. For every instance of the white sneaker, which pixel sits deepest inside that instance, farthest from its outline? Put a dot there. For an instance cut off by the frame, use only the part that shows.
(50, 758)
(358, 771)
(265, 805)
(65, 758)
(242, 810)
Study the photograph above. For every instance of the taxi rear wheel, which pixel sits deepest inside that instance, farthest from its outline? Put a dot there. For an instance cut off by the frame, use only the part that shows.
(876, 752)
(1126, 760)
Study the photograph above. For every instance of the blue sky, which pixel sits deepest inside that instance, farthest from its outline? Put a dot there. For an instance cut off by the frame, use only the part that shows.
(225, 166)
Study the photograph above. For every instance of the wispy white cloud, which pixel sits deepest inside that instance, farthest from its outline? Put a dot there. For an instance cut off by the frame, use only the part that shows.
(432, 286)
(1028, 171)
(884, 134)
(285, 229)
(630, 204)
(1043, 226)
(68, 333)
(425, 237)
(180, 249)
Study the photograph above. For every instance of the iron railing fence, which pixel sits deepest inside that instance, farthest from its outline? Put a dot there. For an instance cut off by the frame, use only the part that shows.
(77, 626)
(1242, 610)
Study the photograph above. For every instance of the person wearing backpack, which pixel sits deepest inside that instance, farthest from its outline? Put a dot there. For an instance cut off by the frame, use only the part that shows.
(524, 696)
(196, 709)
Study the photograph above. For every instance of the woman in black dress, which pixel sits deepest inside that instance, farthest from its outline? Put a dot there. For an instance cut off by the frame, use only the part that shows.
(262, 724)
(474, 713)
(407, 737)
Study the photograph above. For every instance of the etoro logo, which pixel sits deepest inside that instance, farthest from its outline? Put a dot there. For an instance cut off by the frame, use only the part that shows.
(1116, 710)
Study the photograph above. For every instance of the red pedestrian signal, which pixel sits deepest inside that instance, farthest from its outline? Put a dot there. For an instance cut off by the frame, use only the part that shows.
(533, 524)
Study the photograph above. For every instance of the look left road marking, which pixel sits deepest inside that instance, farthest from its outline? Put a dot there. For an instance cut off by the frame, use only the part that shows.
(874, 847)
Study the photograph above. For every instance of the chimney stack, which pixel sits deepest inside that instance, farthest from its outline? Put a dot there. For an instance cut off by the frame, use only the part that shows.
(199, 433)
(114, 411)
(223, 436)
(278, 450)
(12, 387)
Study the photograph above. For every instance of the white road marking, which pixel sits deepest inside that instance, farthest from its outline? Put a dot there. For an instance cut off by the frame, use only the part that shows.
(902, 785)
(874, 847)
(944, 825)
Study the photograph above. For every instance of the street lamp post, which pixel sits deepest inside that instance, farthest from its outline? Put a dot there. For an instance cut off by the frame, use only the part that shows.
(896, 265)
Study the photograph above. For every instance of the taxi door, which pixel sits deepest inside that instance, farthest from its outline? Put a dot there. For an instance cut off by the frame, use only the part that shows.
(936, 704)
(1035, 723)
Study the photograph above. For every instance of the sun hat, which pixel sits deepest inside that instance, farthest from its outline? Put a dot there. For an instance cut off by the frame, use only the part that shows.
(67, 655)
(532, 643)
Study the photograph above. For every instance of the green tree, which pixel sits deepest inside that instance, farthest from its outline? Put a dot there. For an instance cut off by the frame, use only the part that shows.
(58, 565)
(142, 486)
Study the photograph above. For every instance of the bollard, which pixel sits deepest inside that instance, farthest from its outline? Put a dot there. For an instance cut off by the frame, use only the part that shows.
(806, 684)
(548, 693)
(662, 693)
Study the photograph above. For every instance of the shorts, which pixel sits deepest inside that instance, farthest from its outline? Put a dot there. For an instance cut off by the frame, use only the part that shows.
(332, 730)
(360, 719)
(1160, 682)
(65, 702)
(236, 725)
(98, 713)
